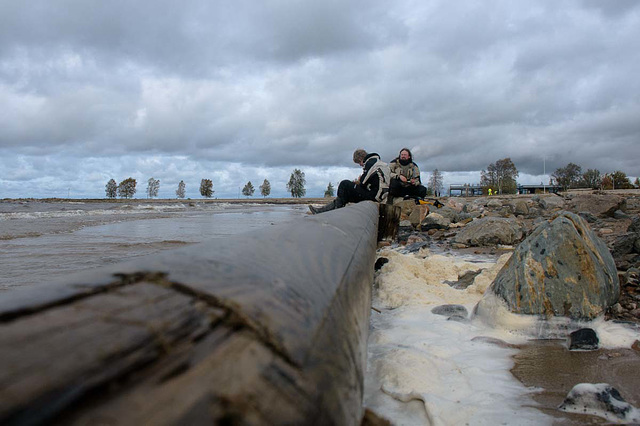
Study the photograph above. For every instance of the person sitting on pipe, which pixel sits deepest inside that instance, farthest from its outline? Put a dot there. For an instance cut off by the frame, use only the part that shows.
(405, 177)
(373, 183)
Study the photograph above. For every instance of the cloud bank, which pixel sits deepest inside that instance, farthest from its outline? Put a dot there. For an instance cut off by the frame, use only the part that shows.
(247, 91)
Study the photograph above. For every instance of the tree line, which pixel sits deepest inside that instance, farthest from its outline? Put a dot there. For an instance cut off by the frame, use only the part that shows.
(501, 178)
(127, 188)
(571, 176)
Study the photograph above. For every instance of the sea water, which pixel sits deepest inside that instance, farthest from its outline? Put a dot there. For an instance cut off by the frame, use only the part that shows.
(41, 242)
(422, 368)
(427, 369)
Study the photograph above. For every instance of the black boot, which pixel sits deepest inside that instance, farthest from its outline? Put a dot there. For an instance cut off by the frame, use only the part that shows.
(335, 204)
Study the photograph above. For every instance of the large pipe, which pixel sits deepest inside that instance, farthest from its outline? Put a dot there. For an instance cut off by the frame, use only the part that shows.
(263, 328)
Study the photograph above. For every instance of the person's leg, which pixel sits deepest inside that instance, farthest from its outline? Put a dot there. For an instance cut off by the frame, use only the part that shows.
(421, 191)
(338, 202)
(396, 189)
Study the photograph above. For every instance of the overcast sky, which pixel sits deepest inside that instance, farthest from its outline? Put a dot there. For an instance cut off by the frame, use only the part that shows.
(244, 90)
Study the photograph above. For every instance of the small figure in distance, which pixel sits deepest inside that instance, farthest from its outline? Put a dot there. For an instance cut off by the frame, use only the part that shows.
(373, 183)
(405, 177)
(490, 192)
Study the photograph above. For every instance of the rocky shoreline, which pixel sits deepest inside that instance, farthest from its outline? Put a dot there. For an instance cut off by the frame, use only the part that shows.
(498, 224)
(503, 224)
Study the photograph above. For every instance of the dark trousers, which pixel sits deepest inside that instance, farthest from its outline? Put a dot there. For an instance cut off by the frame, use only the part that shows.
(396, 189)
(350, 192)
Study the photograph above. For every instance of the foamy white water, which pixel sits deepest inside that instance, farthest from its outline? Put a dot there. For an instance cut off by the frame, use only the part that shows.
(424, 369)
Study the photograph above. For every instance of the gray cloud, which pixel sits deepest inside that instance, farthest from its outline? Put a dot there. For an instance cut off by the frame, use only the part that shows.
(274, 85)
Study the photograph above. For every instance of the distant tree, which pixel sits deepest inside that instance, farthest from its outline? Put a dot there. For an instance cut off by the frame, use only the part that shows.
(111, 188)
(501, 176)
(607, 182)
(435, 181)
(180, 192)
(127, 188)
(592, 178)
(330, 191)
(620, 180)
(206, 188)
(248, 190)
(296, 184)
(265, 188)
(568, 176)
(637, 182)
(153, 185)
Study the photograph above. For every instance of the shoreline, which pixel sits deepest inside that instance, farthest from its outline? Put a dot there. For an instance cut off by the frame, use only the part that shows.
(171, 200)
(552, 368)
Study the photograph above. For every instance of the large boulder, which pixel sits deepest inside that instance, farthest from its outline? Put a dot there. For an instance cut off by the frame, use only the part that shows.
(603, 205)
(520, 207)
(490, 231)
(494, 204)
(551, 202)
(561, 269)
(435, 221)
(628, 242)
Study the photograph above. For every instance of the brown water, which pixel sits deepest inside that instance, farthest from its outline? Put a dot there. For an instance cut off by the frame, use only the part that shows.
(549, 365)
(40, 242)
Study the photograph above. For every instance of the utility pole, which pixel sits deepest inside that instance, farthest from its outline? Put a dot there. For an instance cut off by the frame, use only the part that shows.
(544, 172)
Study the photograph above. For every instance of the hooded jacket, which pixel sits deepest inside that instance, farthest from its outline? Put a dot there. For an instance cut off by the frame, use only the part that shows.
(375, 176)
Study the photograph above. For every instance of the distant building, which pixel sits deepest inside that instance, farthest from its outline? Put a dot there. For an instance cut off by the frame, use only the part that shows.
(538, 189)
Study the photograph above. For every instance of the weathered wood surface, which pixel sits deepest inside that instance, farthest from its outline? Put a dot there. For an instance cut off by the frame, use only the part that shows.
(265, 328)
(389, 222)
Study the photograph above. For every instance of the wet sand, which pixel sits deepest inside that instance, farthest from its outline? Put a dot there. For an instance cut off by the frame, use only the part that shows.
(549, 365)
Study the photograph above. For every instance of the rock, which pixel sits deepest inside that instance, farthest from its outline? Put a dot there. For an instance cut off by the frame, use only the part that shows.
(617, 309)
(601, 400)
(406, 207)
(418, 213)
(458, 318)
(561, 269)
(384, 243)
(448, 213)
(636, 346)
(619, 214)
(405, 223)
(601, 205)
(584, 339)
(606, 231)
(414, 247)
(435, 221)
(380, 262)
(624, 244)
(635, 225)
(490, 231)
(588, 216)
(450, 310)
(520, 207)
(494, 204)
(455, 205)
(464, 280)
(551, 202)
(633, 203)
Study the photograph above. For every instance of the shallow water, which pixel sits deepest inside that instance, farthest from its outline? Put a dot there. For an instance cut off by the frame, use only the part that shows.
(41, 242)
(425, 368)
